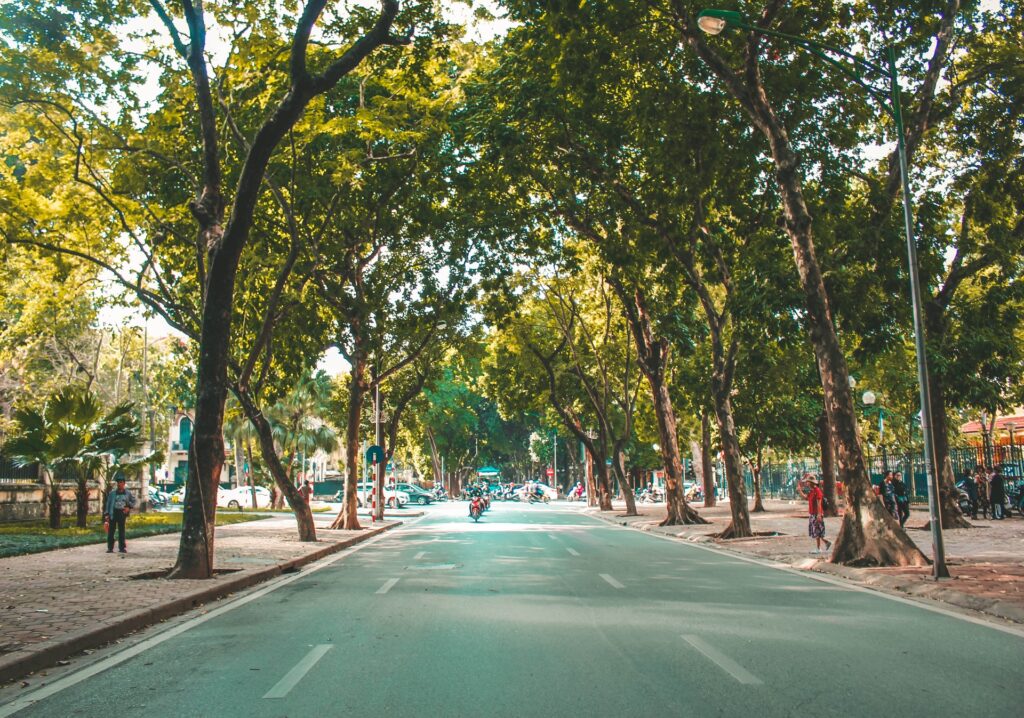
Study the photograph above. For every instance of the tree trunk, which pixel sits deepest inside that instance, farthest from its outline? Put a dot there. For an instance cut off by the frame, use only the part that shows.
(588, 470)
(949, 507)
(206, 450)
(707, 471)
(265, 434)
(435, 460)
(604, 499)
(739, 526)
(82, 500)
(52, 492)
(828, 467)
(678, 511)
(627, 491)
(758, 465)
(347, 517)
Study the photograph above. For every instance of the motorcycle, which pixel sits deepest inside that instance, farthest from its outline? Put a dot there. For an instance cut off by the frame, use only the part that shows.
(476, 508)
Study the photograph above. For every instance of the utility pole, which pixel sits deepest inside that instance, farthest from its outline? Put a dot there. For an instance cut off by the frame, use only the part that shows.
(381, 465)
(144, 493)
(554, 460)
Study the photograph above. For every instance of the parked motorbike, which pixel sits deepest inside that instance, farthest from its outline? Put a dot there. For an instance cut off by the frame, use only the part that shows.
(476, 508)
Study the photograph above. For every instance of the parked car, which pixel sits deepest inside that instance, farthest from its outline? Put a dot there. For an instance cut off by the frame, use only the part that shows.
(363, 495)
(242, 498)
(417, 494)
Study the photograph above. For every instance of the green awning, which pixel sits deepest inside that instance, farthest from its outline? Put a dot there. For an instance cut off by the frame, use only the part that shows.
(487, 471)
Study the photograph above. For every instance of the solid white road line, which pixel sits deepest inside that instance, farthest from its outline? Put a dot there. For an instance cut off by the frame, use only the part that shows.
(296, 674)
(573, 551)
(387, 585)
(723, 661)
(420, 555)
(611, 581)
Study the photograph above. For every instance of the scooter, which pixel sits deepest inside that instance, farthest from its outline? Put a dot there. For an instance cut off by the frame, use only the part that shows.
(476, 508)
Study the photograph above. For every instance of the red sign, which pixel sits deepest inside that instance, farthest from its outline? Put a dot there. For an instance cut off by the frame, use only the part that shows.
(550, 472)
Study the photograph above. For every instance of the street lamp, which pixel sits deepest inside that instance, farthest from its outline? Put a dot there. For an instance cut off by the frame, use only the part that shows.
(863, 73)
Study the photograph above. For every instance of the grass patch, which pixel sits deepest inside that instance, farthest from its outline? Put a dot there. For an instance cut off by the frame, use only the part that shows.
(36, 536)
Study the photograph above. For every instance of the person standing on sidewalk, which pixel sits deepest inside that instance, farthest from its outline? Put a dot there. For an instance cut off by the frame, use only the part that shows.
(997, 494)
(982, 484)
(889, 495)
(306, 490)
(815, 511)
(120, 503)
(971, 489)
(902, 498)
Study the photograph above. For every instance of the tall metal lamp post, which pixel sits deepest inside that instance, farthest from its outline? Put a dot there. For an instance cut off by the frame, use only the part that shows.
(864, 74)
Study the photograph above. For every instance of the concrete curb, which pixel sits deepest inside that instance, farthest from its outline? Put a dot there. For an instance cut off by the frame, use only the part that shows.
(883, 583)
(42, 655)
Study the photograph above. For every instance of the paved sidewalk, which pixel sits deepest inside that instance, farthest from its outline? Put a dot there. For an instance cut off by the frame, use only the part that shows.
(986, 562)
(58, 603)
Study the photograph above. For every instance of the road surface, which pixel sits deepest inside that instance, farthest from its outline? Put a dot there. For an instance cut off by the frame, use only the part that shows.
(544, 611)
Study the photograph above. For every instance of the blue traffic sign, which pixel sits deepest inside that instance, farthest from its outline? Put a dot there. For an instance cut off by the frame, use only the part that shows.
(375, 455)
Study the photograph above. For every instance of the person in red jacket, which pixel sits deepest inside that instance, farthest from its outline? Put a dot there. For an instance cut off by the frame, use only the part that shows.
(810, 490)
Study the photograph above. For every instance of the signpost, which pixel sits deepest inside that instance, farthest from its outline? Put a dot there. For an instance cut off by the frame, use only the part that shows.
(374, 457)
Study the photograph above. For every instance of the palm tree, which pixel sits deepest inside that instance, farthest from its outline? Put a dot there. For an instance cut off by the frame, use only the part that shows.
(72, 431)
(298, 429)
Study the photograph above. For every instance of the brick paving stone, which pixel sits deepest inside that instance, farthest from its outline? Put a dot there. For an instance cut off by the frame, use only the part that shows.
(986, 562)
(48, 594)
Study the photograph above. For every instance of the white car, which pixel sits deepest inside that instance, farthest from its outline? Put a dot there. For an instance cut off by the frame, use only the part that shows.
(241, 498)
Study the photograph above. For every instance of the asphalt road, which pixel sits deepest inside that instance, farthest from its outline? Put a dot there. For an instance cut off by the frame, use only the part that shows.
(542, 611)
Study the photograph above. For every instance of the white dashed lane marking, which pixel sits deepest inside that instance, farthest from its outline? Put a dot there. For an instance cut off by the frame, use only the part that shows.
(611, 581)
(387, 585)
(723, 661)
(296, 674)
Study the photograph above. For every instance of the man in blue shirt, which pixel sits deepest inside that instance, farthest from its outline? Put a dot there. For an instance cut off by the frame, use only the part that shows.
(120, 503)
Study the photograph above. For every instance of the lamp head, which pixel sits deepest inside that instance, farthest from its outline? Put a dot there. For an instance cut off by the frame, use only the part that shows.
(713, 21)
(868, 398)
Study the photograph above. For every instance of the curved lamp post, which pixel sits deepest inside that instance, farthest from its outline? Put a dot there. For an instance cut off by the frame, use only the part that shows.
(865, 74)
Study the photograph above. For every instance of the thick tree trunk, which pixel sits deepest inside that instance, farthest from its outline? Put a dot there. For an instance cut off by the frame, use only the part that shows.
(678, 511)
(828, 468)
(206, 450)
(265, 434)
(739, 526)
(707, 470)
(347, 517)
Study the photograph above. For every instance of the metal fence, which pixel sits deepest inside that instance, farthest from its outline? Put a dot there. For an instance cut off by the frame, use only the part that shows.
(778, 478)
(11, 473)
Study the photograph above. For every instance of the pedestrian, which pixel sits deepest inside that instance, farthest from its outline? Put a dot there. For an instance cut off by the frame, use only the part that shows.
(971, 489)
(120, 503)
(997, 494)
(305, 491)
(902, 498)
(815, 511)
(981, 482)
(889, 495)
